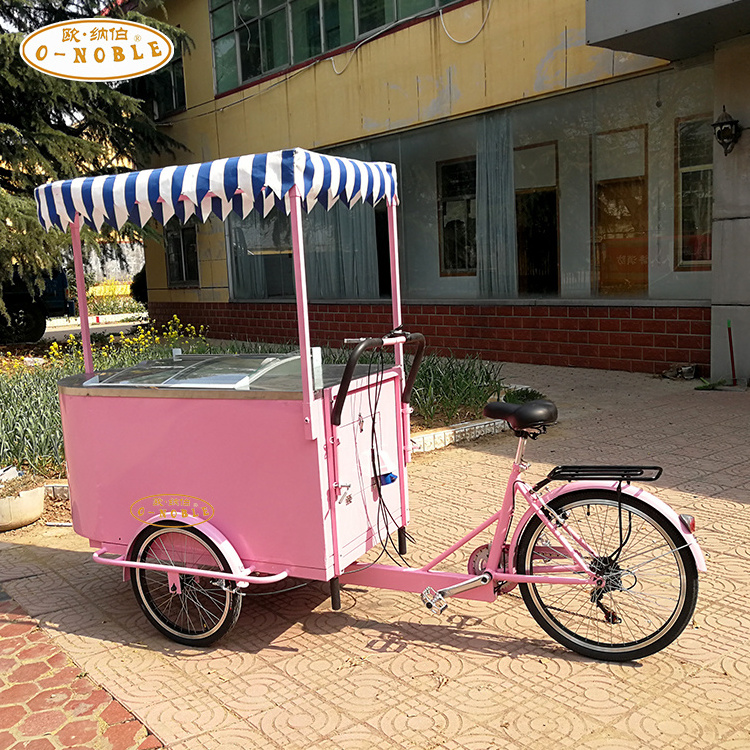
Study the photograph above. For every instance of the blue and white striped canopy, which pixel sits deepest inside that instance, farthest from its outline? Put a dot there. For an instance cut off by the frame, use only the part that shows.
(241, 184)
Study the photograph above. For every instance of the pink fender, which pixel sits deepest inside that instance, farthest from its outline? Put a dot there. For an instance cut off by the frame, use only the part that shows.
(637, 492)
(210, 532)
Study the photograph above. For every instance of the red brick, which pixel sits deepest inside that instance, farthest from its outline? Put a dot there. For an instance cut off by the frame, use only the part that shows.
(62, 677)
(611, 324)
(115, 713)
(664, 339)
(578, 312)
(41, 743)
(11, 715)
(78, 732)
(7, 740)
(37, 651)
(150, 743)
(58, 660)
(666, 313)
(631, 325)
(691, 313)
(53, 698)
(619, 312)
(41, 722)
(678, 326)
(619, 339)
(654, 326)
(19, 693)
(16, 627)
(123, 736)
(642, 312)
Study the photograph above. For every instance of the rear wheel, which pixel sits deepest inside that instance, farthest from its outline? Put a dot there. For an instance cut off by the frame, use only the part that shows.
(649, 580)
(203, 611)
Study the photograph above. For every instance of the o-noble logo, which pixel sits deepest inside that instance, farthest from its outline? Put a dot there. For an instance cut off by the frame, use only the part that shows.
(97, 49)
(154, 510)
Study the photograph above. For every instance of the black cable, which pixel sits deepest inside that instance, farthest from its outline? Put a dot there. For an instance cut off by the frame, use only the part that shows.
(377, 469)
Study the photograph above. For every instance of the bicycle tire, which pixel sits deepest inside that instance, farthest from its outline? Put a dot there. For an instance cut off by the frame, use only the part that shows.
(650, 577)
(202, 612)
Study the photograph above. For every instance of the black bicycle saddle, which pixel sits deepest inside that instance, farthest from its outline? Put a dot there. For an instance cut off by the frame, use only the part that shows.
(532, 414)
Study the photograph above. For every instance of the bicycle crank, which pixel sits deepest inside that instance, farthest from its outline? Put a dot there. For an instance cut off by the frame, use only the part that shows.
(435, 600)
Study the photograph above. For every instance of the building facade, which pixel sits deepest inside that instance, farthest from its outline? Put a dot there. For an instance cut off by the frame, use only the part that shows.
(560, 202)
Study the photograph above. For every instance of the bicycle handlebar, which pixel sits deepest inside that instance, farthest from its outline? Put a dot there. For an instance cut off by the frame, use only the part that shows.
(374, 343)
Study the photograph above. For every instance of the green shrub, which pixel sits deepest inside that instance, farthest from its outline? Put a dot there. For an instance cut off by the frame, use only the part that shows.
(446, 390)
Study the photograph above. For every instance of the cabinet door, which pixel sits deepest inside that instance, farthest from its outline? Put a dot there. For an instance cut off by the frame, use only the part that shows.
(367, 446)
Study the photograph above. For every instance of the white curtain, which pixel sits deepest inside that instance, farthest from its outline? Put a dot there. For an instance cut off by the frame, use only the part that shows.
(341, 253)
(496, 208)
(247, 264)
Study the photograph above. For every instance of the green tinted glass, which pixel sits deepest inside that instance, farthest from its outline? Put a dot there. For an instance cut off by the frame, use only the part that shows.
(225, 63)
(305, 29)
(275, 46)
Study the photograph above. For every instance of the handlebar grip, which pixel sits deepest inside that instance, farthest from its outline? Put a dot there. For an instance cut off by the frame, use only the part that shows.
(346, 378)
(354, 357)
(416, 362)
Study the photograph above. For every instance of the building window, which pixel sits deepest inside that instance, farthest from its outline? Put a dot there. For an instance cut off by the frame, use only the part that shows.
(535, 170)
(252, 38)
(182, 253)
(169, 87)
(694, 194)
(457, 217)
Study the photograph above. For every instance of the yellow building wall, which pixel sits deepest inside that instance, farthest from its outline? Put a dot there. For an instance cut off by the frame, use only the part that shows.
(414, 76)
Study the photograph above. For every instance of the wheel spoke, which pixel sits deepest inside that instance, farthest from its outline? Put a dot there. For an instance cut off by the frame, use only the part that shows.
(647, 578)
(202, 610)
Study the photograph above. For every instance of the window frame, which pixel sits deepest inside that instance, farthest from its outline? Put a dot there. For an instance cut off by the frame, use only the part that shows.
(173, 227)
(680, 264)
(179, 103)
(292, 62)
(444, 272)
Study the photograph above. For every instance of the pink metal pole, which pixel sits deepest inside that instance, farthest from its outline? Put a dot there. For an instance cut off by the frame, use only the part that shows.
(83, 308)
(303, 323)
(404, 454)
(395, 277)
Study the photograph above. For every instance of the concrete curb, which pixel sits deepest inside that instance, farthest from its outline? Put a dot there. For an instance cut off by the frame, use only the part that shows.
(423, 442)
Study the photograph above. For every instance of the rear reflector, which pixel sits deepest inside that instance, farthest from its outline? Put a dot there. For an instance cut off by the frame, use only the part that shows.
(688, 522)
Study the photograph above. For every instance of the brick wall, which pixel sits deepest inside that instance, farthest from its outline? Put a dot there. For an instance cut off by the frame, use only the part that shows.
(637, 339)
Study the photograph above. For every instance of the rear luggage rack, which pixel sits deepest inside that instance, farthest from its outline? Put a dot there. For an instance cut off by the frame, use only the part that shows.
(616, 473)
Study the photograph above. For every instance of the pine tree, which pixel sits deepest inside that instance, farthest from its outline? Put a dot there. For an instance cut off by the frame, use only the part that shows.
(52, 129)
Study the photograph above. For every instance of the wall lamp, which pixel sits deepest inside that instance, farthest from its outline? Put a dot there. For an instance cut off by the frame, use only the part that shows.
(727, 130)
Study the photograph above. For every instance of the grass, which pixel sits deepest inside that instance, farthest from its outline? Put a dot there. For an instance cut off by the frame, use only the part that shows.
(446, 390)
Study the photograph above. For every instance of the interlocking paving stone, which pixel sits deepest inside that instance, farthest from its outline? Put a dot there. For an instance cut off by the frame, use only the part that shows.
(47, 702)
(383, 671)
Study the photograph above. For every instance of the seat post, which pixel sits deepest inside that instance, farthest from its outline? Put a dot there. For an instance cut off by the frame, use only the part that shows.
(520, 451)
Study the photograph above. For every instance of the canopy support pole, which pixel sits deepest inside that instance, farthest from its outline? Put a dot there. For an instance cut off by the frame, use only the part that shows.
(395, 277)
(83, 308)
(303, 324)
(404, 454)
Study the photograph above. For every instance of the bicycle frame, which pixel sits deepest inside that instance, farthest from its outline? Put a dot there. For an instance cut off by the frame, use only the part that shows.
(417, 579)
(501, 558)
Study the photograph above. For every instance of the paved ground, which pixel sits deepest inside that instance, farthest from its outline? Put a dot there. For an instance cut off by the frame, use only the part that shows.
(48, 702)
(384, 672)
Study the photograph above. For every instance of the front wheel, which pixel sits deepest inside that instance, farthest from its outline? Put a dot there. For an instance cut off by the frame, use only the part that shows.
(203, 611)
(648, 577)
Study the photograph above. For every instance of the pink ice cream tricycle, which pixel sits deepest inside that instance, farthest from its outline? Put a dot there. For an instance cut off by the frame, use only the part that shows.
(235, 472)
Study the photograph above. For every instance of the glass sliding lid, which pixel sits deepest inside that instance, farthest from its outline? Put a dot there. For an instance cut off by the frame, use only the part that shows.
(275, 372)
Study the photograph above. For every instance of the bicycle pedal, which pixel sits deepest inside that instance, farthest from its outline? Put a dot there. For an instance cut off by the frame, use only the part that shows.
(434, 601)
